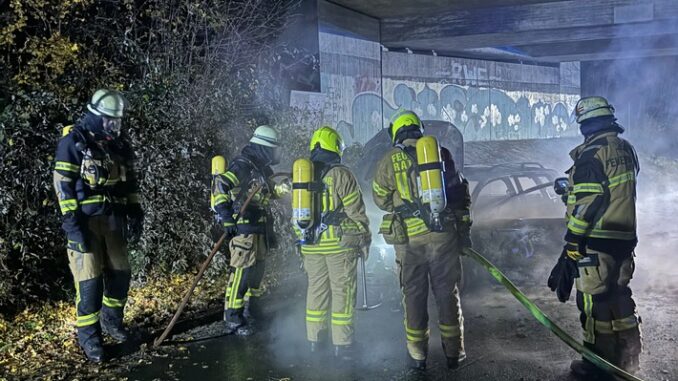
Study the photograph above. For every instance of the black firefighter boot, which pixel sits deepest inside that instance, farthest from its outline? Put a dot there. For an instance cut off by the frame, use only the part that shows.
(320, 345)
(89, 339)
(417, 354)
(111, 323)
(344, 352)
(453, 362)
(630, 346)
(454, 352)
(251, 311)
(236, 324)
(605, 347)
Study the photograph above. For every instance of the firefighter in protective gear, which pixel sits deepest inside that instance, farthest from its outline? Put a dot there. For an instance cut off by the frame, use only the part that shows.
(601, 237)
(422, 254)
(252, 232)
(341, 234)
(98, 195)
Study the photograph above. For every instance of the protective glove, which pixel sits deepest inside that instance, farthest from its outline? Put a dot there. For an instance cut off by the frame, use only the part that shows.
(572, 251)
(575, 248)
(562, 277)
(76, 241)
(283, 188)
(230, 227)
(135, 226)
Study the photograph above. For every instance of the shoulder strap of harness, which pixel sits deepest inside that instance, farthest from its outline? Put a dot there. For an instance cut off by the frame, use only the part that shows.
(412, 208)
(335, 216)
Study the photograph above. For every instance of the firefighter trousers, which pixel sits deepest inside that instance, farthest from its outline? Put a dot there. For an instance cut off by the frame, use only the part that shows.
(248, 252)
(101, 276)
(431, 259)
(608, 311)
(331, 296)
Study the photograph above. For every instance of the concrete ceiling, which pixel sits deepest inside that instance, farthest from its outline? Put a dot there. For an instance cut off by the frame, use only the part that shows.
(535, 30)
(382, 9)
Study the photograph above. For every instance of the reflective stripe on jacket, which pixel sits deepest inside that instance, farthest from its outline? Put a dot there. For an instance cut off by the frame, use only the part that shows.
(395, 182)
(98, 180)
(601, 203)
(230, 190)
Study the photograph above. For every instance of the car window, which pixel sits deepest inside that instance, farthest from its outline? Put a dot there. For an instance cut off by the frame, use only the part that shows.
(547, 190)
(496, 188)
(544, 179)
(491, 201)
(525, 182)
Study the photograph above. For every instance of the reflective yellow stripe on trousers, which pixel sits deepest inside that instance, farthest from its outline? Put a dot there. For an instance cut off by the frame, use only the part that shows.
(86, 320)
(416, 335)
(314, 316)
(114, 303)
(233, 301)
(589, 325)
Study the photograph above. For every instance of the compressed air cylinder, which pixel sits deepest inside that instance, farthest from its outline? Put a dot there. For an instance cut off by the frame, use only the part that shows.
(66, 130)
(431, 180)
(302, 196)
(219, 166)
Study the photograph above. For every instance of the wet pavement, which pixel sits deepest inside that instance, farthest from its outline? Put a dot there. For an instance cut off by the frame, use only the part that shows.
(503, 341)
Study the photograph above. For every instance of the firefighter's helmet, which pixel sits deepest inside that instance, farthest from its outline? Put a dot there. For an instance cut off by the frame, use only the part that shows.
(404, 120)
(591, 107)
(328, 139)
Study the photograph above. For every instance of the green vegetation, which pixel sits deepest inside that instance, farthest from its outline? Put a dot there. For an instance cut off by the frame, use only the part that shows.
(198, 77)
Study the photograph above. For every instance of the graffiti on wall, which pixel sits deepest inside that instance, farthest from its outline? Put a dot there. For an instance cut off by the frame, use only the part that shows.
(479, 113)
(485, 100)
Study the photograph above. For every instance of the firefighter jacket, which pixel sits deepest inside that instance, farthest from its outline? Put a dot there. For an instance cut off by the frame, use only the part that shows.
(93, 178)
(231, 189)
(395, 190)
(601, 202)
(343, 213)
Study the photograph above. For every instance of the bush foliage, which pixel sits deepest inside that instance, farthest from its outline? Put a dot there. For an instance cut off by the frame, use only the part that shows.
(193, 72)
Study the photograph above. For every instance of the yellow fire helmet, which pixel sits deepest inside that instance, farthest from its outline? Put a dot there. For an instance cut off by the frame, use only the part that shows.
(328, 139)
(405, 118)
(591, 107)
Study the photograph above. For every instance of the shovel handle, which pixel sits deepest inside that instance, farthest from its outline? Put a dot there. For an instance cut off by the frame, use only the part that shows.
(188, 294)
(201, 272)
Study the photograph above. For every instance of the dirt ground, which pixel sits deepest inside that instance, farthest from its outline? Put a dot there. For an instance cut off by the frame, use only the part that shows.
(503, 342)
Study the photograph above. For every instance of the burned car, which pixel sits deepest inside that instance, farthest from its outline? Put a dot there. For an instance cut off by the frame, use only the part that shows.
(518, 219)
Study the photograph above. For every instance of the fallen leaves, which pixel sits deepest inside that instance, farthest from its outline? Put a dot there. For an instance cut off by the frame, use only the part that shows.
(40, 343)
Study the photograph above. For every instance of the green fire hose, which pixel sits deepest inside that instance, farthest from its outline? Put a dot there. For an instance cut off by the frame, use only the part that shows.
(546, 321)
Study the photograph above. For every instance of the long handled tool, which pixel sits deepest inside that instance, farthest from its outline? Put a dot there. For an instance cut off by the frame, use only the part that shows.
(546, 321)
(201, 272)
(365, 306)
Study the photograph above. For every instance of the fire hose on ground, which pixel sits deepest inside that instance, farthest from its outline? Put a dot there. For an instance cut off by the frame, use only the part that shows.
(546, 321)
